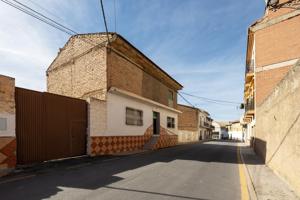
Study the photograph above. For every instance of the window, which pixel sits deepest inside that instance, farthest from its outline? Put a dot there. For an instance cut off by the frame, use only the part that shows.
(170, 122)
(3, 124)
(134, 117)
(170, 98)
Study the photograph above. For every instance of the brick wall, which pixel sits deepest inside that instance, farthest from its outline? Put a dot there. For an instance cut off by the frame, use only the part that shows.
(126, 75)
(278, 43)
(271, 13)
(82, 72)
(7, 125)
(188, 120)
(266, 82)
(275, 44)
(79, 70)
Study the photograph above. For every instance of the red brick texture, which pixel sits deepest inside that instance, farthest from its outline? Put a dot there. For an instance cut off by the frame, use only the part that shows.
(278, 43)
(266, 81)
(108, 145)
(7, 153)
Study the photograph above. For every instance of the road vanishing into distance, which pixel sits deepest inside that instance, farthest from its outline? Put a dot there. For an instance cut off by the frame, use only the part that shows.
(196, 171)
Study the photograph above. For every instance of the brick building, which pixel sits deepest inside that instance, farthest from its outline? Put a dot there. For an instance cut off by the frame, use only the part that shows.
(130, 98)
(273, 48)
(194, 124)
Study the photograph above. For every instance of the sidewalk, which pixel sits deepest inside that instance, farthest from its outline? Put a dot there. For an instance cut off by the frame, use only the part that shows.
(265, 184)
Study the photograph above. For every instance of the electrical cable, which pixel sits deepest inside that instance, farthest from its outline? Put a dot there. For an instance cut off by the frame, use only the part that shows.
(41, 17)
(105, 24)
(211, 100)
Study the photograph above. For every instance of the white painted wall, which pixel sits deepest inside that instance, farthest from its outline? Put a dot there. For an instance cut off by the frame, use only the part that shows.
(115, 117)
(97, 117)
(188, 136)
(217, 128)
(7, 125)
(236, 135)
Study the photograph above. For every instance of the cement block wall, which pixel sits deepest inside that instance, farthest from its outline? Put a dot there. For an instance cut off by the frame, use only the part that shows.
(7, 125)
(277, 137)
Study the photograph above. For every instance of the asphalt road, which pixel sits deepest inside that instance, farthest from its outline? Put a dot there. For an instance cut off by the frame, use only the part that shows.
(191, 172)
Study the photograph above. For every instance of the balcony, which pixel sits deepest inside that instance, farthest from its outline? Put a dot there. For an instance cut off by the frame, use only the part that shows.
(204, 124)
(209, 119)
(249, 106)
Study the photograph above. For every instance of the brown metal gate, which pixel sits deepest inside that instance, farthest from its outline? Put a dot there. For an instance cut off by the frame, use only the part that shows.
(49, 126)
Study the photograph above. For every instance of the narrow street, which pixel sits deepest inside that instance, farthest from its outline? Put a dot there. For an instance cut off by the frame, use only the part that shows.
(195, 171)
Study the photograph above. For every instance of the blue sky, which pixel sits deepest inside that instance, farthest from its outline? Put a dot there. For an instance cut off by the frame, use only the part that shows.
(201, 43)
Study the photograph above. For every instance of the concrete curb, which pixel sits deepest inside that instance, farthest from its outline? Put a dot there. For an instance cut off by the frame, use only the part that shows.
(250, 184)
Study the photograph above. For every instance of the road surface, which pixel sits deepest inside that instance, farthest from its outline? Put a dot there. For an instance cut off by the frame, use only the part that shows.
(191, 172)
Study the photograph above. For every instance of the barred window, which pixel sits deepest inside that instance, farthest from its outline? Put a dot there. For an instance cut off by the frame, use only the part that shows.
(170, 122)
(134, 117)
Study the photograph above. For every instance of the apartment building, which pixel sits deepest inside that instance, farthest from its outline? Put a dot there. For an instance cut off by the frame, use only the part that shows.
(273, 48)
(194, 124)
(131, 99)
(206, 126)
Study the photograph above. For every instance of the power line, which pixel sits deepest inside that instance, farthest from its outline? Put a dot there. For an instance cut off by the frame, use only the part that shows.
(211, 100)
(46, 10)
(41, 17)
(185, 99)
(105, 24)
(74, 32)
(115, 12)
(35, 16)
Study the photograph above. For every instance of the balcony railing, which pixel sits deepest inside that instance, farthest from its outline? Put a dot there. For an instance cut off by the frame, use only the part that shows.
(209, 119)
(249, 104)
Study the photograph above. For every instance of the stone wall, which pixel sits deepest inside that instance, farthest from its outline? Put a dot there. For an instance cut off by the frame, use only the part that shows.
(277, 138)
(7, 125)
(80, 69)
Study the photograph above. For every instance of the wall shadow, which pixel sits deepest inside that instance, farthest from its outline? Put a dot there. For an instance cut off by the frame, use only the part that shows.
(260, 148)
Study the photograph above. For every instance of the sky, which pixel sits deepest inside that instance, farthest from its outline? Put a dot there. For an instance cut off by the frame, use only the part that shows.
(201, 43)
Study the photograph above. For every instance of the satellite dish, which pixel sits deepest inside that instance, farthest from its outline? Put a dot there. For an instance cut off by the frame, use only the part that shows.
(272, 2)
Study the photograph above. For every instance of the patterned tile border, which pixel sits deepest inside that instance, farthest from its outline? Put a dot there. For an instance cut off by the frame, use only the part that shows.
(8, 158)
(107, 145)
(165, 139)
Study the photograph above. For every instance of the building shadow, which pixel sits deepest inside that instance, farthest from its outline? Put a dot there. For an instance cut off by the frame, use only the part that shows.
(260, 148)
(95, 173)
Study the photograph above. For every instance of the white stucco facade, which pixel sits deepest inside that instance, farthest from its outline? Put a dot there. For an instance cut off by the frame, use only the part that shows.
(217, 128)
(7, 125)
(108, 118)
